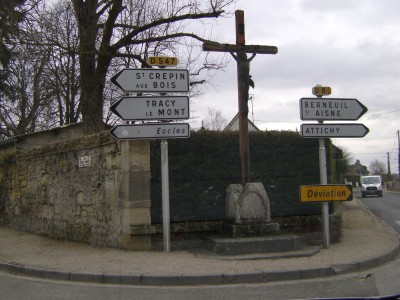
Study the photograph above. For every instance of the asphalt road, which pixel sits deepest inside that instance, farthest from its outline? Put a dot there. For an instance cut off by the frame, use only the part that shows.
(353, 285)
(380, 281)
(387, 208)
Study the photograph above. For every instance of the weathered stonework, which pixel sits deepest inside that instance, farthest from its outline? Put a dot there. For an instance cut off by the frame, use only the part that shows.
(46, 191)
(248, 204)
(106, 200)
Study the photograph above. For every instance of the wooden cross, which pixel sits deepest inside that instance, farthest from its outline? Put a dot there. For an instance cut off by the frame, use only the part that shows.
(244, 81)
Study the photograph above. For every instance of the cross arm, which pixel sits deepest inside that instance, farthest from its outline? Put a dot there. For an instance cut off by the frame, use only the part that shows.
(259, 49)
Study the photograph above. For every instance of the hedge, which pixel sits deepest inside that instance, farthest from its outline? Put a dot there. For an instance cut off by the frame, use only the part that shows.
(202, 166)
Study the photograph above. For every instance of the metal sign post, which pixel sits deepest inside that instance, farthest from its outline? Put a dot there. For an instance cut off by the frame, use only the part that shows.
(329, 109)
(324, 180)
(161, 108)
(165, 195)
(319, 92)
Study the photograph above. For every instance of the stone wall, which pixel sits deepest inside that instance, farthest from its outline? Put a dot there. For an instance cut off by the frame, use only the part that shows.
(77, 190)
(97, 190)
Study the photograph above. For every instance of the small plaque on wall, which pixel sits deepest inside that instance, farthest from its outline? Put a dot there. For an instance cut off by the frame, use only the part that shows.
(85, 161)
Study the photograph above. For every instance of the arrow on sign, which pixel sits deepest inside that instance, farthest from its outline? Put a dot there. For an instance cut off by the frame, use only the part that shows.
(319, 193)
(151, 131)
(152, 80)
(152, 108)
(331, 109)
(333, 130)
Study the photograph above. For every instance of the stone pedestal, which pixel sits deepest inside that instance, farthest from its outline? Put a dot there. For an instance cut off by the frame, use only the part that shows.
(248, 204)
(249, 229)
(247, 211)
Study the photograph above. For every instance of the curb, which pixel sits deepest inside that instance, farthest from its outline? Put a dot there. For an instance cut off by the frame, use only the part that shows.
(209, 279)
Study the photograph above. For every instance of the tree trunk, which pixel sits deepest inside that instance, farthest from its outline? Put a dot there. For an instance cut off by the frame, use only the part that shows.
(91, 93)
(92, 75)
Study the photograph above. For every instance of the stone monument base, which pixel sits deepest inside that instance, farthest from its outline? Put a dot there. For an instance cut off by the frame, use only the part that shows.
(247, 211)
(246, 230)
(247, 204)
(249, 229)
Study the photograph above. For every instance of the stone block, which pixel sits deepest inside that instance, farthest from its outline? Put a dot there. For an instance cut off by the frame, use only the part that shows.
(249, 245)
(246, 230)
(143, 230)
(137, 242)
(231, 204)
(135, 216)
(248, 204)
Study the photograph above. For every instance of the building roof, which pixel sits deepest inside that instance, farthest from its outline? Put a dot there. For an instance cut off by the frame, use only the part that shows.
(234, 125)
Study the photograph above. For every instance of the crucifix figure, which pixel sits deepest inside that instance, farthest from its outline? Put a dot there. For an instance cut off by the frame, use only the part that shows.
(244, 82)
(244, 79)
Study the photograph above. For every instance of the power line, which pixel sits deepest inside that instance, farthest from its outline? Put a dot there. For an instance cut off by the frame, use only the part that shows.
(384, 113)
(394, 143)
(377, 153)
(276, 121)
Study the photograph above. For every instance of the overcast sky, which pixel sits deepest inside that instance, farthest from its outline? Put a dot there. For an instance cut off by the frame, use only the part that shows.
(353, 46)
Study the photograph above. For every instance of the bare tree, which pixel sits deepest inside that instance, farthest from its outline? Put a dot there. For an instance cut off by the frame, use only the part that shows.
(214, 120)
(106, 33)
(43, 75)
(12, 13)
(60, 32)
(67, 51)
(21, 108)
(377, 167)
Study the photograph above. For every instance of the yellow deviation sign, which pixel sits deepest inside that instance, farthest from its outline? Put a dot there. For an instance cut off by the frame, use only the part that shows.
(162, 61)
(320, 193)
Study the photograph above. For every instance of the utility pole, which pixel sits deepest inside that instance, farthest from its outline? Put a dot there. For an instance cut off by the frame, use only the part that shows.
(388, 163)
(398, 149)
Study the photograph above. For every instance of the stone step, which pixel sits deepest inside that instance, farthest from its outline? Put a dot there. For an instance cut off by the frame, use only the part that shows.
(251, 245)
(304, 252)
(248, 230)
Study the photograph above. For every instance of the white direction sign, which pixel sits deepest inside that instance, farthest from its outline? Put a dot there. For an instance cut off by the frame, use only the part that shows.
(152, 108)
(333, 130)
(152, 80)
(331, 109)
(151, 131)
